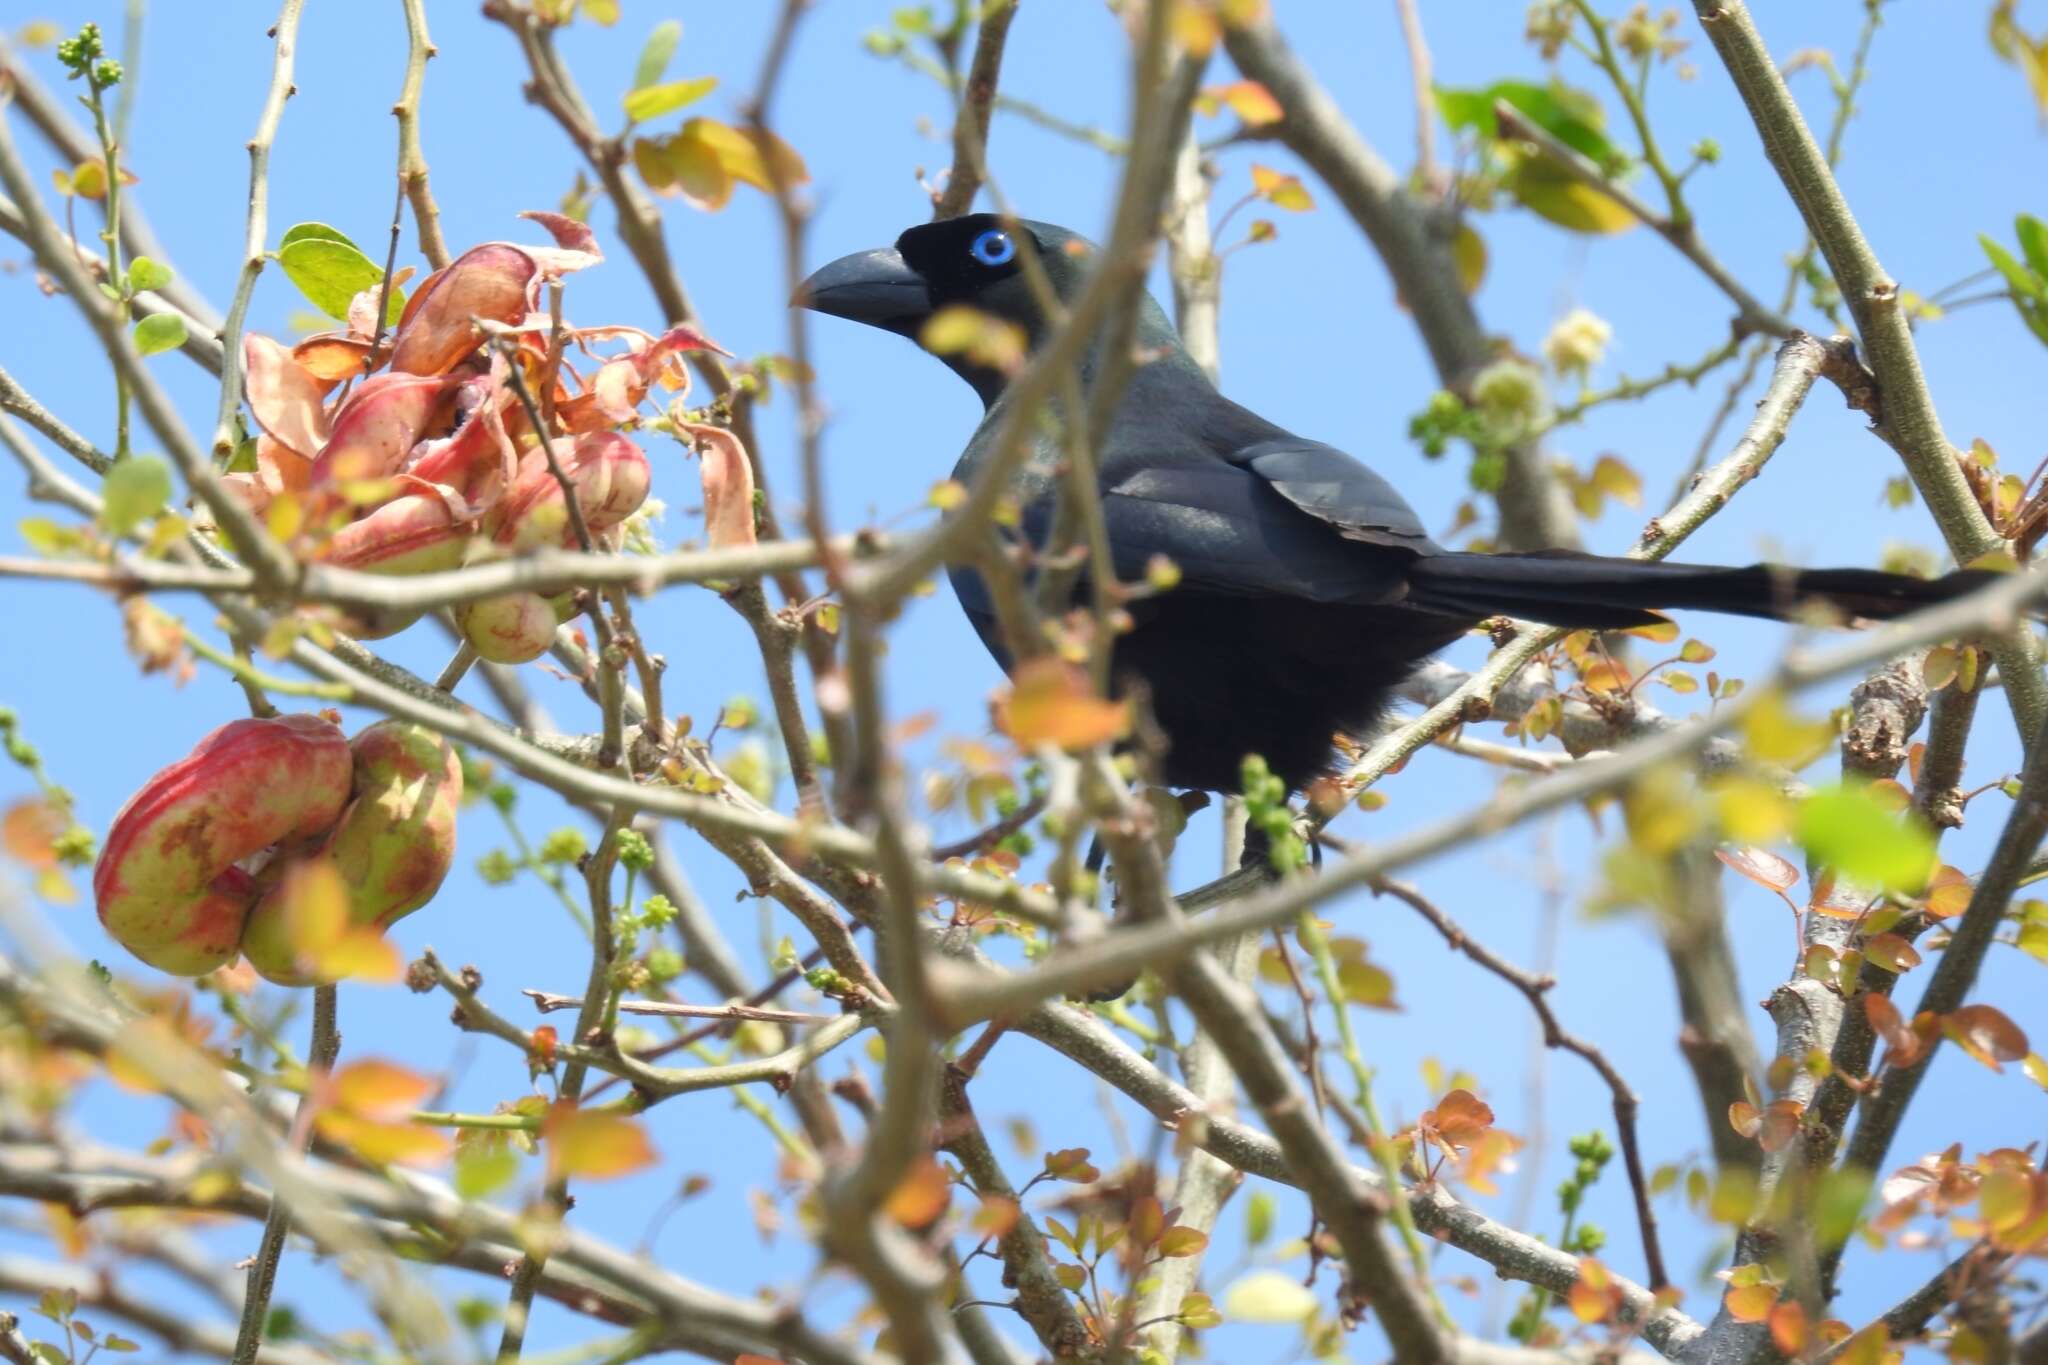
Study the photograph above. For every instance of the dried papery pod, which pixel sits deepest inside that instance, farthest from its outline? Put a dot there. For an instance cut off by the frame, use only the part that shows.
(284, 397)
(393, 845)
(608, 472)
(513, 629)
(376, 430)
(168, 883)
(330, 357)
(728, 480)
(622, 382)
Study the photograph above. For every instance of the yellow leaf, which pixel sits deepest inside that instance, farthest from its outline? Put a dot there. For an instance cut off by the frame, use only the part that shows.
(1281, 190)
(593, 1144)
(1549, 191)
(1751, 1303)
(1777, 735)
(383, 1144)
(1051, 702)
(1750, 810)
(1249, 100)
(376, 1089)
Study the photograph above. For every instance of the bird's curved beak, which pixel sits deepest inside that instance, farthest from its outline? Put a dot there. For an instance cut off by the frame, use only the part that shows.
(875, 287)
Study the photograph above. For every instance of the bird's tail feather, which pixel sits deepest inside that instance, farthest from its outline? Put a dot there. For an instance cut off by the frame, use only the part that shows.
(1564, 588)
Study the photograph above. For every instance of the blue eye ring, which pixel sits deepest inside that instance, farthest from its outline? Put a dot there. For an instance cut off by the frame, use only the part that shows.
(993, 247)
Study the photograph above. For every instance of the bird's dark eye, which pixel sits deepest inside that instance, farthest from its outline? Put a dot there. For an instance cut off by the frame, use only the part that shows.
(993, 247)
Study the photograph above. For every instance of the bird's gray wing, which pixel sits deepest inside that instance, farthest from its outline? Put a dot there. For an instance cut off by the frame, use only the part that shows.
(1231, 529)
(1336, 489)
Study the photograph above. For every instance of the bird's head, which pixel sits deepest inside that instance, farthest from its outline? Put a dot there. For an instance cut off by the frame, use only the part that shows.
(975, 261)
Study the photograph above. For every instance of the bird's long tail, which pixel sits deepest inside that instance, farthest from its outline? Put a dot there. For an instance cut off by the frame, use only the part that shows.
(1564, 588)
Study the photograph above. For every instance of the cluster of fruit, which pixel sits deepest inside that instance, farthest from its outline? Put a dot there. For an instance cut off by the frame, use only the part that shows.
(207, 859)
(418, 452)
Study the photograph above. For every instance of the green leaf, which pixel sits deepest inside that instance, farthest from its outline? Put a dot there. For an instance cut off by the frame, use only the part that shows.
(2033, 237)
(52, 541)
(114, 1341)
(484, 1169)
(2018, 278)
(655, 54)
(1573, 117)
(328, 272)
(50, 1355)
(652, 101)
(137, 488)
(2029, 291)
(159, 332)
(313, 232)
(1849, 829)
(601, 12)
(145, 274)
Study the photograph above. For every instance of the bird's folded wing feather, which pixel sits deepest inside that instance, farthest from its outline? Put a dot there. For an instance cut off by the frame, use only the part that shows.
(1230, 529)
(1335, 488)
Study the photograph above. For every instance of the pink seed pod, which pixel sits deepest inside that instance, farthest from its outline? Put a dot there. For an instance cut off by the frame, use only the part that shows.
(513, 629)
(417, 533)
(393, 845)
(611, 478)
(377, 428)
(168, 884)
(494, 282)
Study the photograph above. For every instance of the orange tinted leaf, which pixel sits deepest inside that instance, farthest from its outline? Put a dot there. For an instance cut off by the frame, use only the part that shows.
(1249, 100)
(1761, 866)
(995, 1216)
(921, 1196)
(28, 830)
(593, 1144)
(1985, 1033)
(1461, 1117)
(1071, 1163)
(1788, 1327)
(1183, 1242)
(380, 1090)
(1591, 1297)
(1745, 1118)
(1892, 953)
(1051, 702)
(1948, 893)
(1780, 1124)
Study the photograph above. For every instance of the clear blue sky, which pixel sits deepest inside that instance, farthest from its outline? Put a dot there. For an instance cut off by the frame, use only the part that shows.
(1947, 147)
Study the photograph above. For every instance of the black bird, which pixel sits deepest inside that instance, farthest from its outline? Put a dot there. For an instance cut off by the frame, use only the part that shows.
(1309, 590)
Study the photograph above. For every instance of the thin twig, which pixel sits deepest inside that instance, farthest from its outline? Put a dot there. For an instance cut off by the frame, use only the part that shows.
(412, 166)
(975, 99)
(320, 1055)
(1536, 990)
(257, 229)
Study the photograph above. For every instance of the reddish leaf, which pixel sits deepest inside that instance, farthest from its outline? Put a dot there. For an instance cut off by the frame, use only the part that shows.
(1761, 866)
